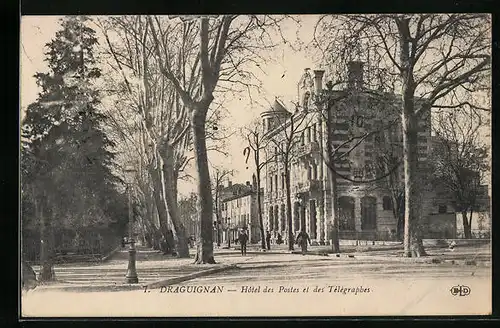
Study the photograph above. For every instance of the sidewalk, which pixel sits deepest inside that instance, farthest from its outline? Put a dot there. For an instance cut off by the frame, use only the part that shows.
(154, 269)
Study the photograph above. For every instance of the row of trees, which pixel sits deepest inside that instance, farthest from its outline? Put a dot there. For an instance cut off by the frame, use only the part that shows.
(162, 89)
(160, 77)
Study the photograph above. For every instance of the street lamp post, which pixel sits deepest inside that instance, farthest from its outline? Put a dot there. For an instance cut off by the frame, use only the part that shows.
(228, 233)
(131, 276)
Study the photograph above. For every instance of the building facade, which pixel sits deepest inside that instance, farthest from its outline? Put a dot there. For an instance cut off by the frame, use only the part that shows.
(239, 211)
(362, 207)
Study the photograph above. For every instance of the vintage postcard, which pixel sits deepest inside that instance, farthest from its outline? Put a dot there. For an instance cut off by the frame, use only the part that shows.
(255, 165)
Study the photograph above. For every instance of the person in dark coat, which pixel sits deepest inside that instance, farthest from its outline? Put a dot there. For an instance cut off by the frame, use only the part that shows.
(303, 239)
(243, 238)
(268, 240)
(279, 240)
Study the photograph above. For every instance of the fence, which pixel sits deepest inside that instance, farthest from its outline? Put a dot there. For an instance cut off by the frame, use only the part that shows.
(368, 235)
(92, 244)
(475, 234)
(392, 236)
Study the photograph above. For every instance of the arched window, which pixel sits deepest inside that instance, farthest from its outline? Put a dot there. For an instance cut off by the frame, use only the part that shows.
(296, 216)
(368, 213)
(387, 203)
(271, 218)
(314, 171)
(276, 218)
(346, 213)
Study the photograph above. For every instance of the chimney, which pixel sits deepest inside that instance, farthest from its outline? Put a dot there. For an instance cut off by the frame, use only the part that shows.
(318, 80)
(355, 74)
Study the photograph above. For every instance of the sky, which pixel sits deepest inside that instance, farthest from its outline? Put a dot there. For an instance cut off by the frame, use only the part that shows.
(279, 78)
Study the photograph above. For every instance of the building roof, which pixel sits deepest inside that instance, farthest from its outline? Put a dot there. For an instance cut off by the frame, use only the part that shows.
(240, 195)
(278, 107)
(235, 191)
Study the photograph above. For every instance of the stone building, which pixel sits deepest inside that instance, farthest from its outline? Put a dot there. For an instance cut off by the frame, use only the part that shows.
(239, 210)
(365, 209)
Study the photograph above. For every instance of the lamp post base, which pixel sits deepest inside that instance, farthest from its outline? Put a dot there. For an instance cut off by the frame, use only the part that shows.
(132, 280)
(131, 276)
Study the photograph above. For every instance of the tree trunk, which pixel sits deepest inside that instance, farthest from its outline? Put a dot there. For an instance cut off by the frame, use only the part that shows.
(399, 216)
(169, 183)
(160, 207)
(205, 247)
(335, 220)
(46, 261)
(288, 207)
(333, 181)
(413, 246)
(149, 221)
(259, 209)
(217, 213)
(467, 225)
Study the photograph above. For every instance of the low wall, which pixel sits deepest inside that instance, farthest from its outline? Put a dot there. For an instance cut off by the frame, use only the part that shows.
(458, 242)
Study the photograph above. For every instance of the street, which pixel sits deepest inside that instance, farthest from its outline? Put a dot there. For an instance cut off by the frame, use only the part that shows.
(289, 285)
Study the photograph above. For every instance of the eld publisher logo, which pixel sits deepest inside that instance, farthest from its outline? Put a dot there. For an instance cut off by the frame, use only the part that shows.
(460, 290)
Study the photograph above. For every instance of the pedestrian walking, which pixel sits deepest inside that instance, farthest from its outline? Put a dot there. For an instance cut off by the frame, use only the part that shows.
(303, 239)
(268, 240)
(243, 238)
(279, 240)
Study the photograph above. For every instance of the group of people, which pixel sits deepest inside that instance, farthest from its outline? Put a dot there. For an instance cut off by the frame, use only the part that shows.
(302, 240)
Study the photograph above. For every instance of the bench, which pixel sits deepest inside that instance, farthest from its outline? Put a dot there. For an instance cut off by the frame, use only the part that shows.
(71, 257)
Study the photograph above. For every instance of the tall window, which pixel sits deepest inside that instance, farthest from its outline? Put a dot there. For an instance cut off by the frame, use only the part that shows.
(346, 213)
(271, 184)
(387, 203)
(368, 213)
(276, 181)
(283, 181)
(315, 132)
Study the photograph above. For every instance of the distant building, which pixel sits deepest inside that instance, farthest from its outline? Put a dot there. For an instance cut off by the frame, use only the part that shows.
(239, 211)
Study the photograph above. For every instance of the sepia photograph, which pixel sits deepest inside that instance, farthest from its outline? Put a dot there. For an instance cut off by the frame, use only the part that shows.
(255, 165)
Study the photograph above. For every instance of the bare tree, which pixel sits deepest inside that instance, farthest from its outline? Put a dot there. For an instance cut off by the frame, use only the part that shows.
(218, 50)
(430, 60)
(163, 122)
(459, 161)
(256, 146)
